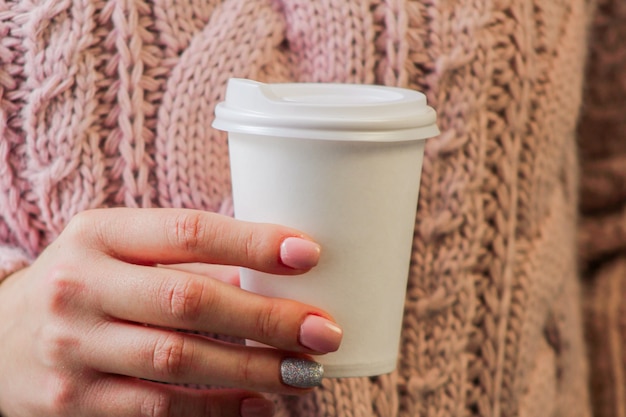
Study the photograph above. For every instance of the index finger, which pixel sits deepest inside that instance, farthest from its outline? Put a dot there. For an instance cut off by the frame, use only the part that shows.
(166, 236)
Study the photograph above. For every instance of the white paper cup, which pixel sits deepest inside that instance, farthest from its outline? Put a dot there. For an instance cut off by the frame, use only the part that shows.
(341, 163)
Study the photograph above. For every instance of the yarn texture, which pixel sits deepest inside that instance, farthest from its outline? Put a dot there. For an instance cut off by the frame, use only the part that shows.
(109, 103)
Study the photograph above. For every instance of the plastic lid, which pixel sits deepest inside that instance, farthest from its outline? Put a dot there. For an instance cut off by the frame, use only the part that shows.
(325, 111)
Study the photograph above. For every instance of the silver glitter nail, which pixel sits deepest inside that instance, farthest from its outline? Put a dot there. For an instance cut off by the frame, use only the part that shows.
(301, 373)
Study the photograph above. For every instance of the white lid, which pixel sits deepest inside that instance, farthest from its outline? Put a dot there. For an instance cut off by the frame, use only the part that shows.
(325, 111)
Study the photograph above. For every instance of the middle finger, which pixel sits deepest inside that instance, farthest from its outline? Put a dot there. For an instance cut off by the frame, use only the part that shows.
(181, 300)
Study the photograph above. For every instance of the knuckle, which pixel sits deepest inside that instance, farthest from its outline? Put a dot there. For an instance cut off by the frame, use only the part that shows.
(56, 345)
(251, 245)
(88, 229)
(62, 396)
(182, 299)
(171, 356)
(61, 288)
(157, 405)
(80, 225)
(268, 322)
(186, 231)
(259, 244)
(245, 371)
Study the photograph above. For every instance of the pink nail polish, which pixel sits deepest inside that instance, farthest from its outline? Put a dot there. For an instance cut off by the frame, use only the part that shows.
(256, 407)
(320, 334)
(299, 253)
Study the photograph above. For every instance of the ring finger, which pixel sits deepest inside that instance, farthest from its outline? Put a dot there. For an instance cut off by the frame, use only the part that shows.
(180, 300)
(176, 357)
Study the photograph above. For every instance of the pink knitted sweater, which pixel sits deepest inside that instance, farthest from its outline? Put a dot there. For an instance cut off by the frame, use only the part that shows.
(110, 102)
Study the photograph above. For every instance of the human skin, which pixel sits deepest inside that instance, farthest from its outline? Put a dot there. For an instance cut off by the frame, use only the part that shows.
(87, 327)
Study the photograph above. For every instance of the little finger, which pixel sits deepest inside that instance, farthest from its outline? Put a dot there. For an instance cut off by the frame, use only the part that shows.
(129, 397)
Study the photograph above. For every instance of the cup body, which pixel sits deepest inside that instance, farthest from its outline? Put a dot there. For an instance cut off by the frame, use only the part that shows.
(357, 199)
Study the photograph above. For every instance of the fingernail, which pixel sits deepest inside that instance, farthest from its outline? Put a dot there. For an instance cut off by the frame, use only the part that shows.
(256, 407)
(301, 373)
(299, 253)
(320, 334)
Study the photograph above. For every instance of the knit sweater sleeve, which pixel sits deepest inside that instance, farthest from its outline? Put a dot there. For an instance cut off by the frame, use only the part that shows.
(11, 260)
(15, 240)
(602, 232)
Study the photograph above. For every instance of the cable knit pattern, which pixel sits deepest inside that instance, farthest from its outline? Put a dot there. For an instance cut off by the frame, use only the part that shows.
(109, 102)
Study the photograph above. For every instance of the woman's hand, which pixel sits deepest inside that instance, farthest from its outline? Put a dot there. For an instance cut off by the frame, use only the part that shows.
(87, 327)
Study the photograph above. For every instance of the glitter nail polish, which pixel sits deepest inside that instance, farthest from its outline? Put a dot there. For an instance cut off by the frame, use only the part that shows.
(301, 373)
